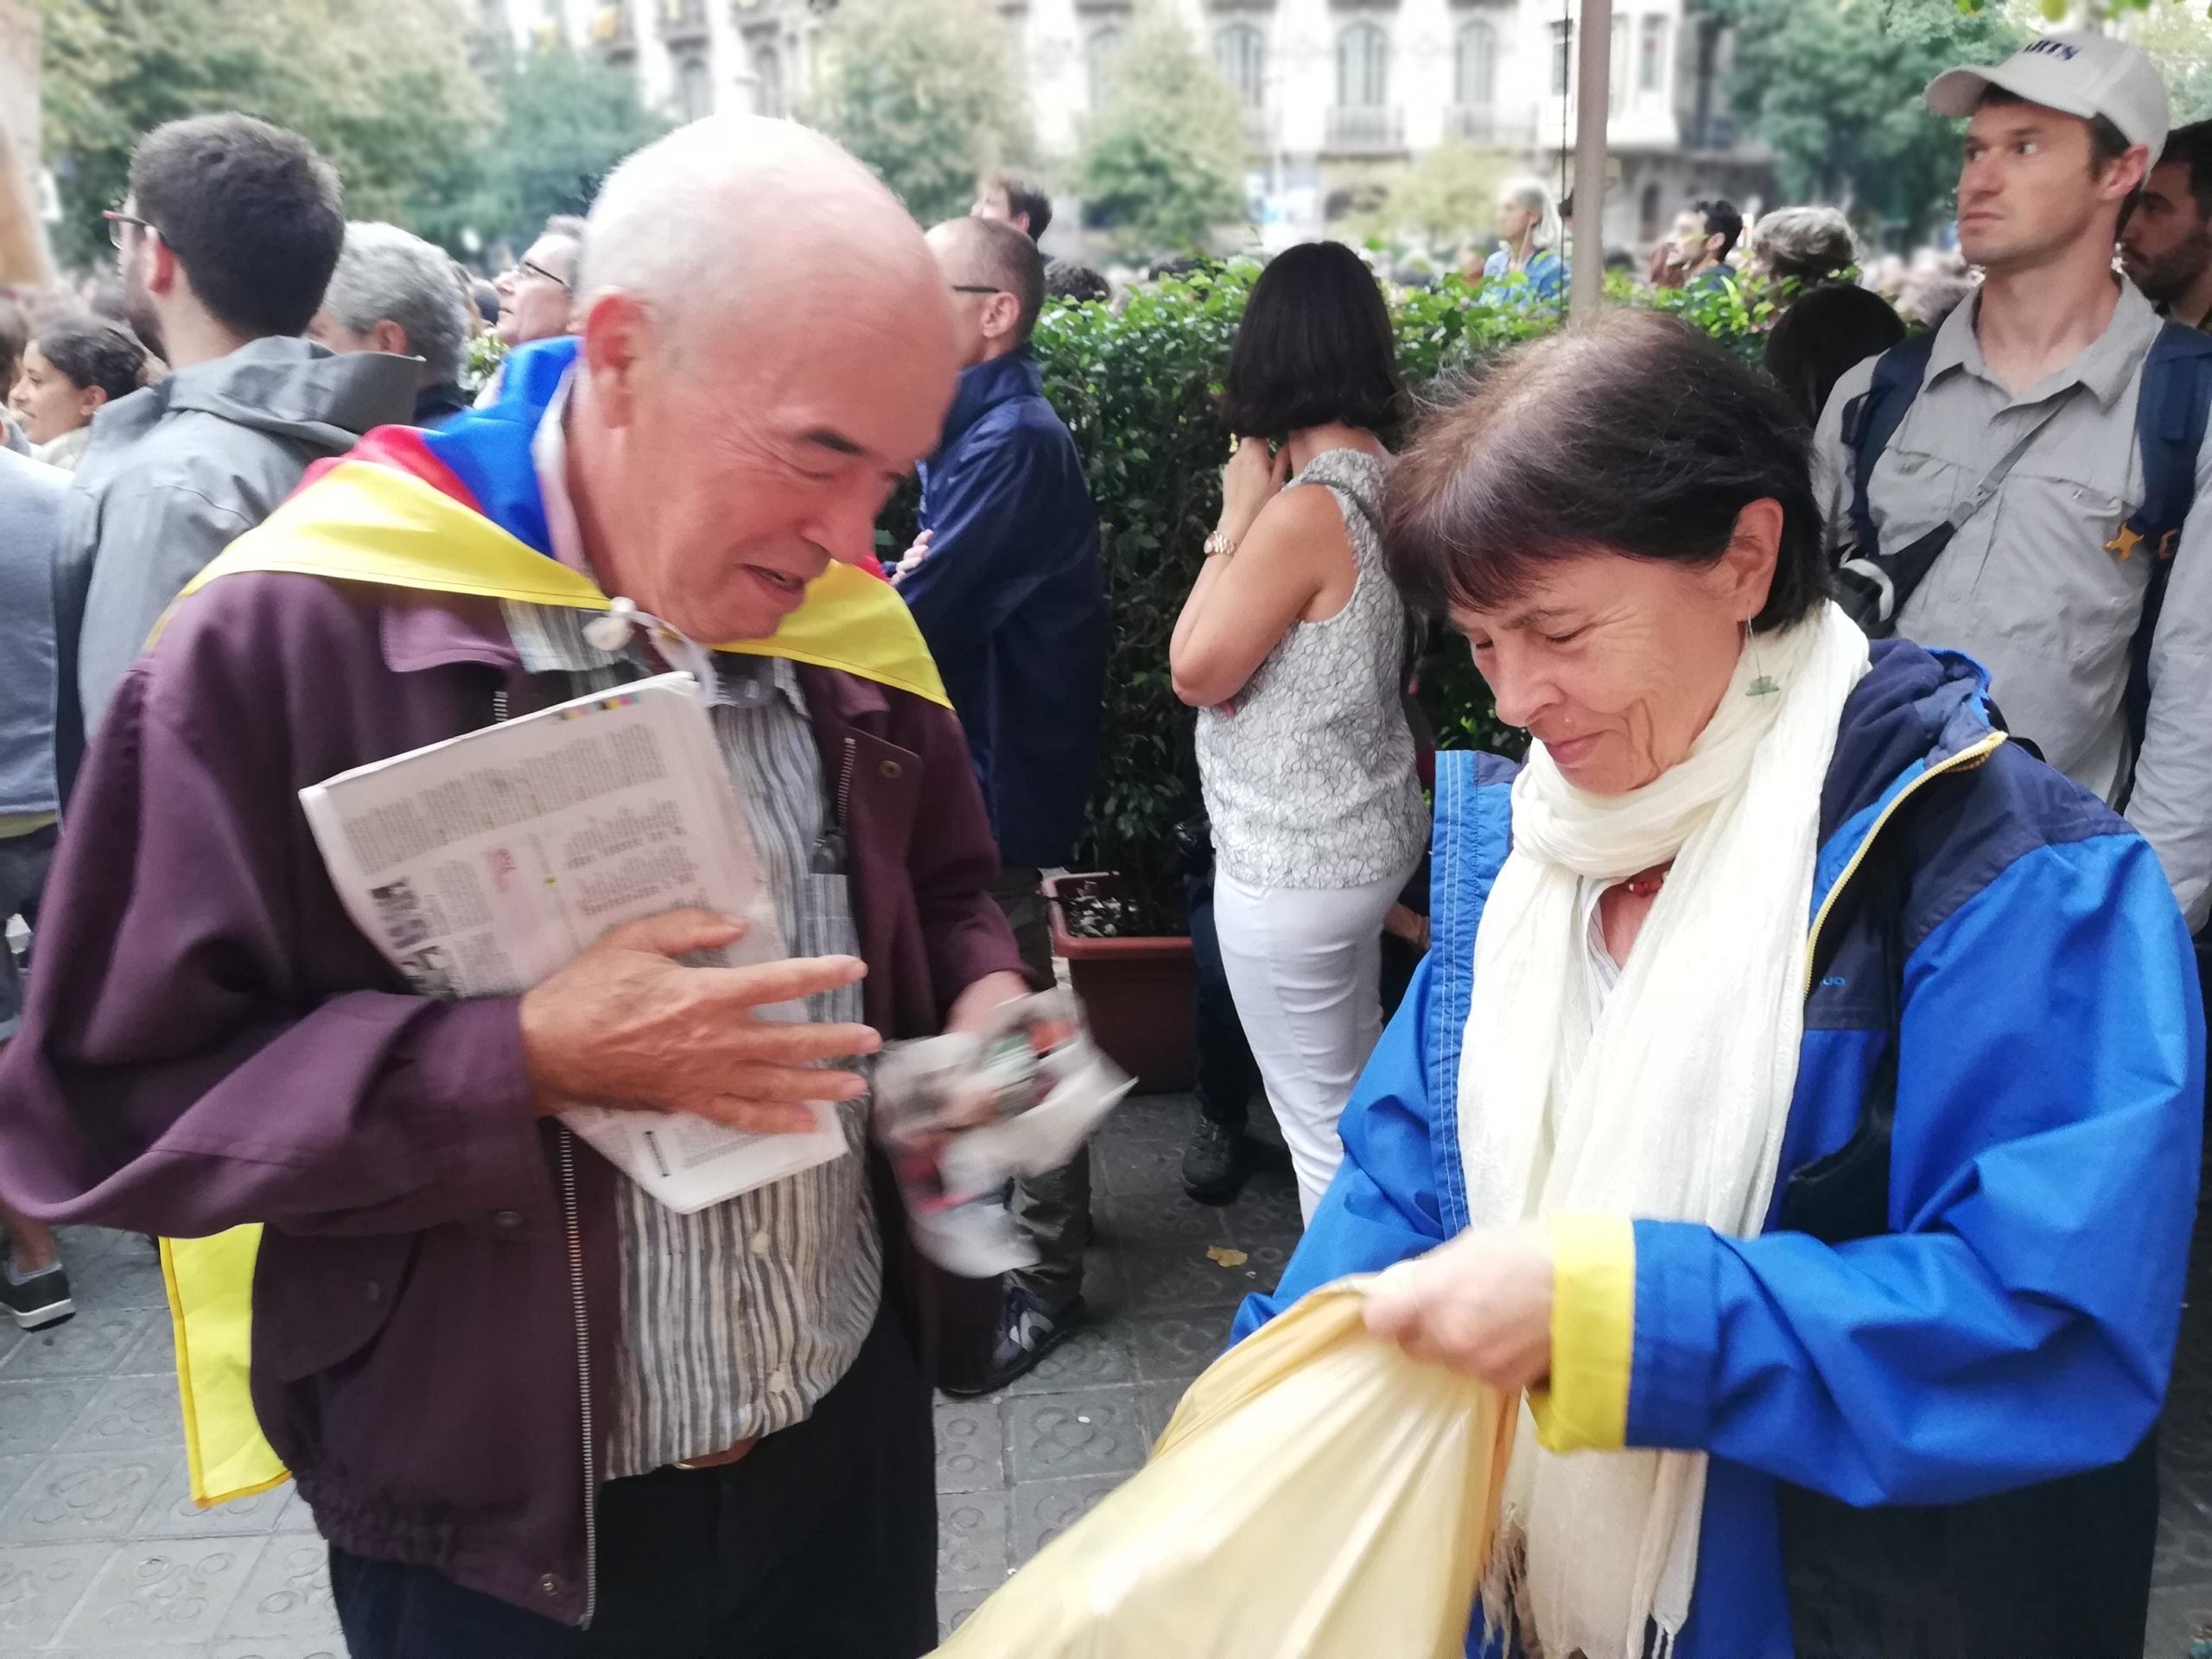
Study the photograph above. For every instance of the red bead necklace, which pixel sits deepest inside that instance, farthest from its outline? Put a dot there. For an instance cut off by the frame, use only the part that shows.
(1647, 885)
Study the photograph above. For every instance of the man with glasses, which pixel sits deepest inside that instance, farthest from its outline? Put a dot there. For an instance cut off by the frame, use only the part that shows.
(1007, 587)
(537, 296)
(225, 245)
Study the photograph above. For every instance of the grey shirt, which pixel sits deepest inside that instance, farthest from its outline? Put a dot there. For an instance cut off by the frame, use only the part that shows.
(2039, 586)
(30, 517)
(738, 1319)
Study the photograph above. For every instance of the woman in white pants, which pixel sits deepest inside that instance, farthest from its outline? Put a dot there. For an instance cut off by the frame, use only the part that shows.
(1291, 647)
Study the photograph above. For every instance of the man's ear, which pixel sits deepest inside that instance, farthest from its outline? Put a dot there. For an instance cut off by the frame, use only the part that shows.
(164, 273)
(390, 336)
(1001, 315)
(618, 346)
(2124, 177)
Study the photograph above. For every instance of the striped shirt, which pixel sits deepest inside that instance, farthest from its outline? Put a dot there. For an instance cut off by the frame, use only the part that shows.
(737, 1319)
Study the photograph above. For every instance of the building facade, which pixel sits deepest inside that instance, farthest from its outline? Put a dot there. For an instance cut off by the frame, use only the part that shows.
(1339, 95)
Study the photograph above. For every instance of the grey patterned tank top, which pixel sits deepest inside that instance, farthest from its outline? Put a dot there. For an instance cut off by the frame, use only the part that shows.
(1311, 782)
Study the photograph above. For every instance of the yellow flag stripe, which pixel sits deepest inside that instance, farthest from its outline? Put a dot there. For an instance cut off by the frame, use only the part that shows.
(364, 522)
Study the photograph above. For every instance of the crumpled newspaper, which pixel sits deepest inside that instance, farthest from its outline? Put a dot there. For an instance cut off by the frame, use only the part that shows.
(962, 1115)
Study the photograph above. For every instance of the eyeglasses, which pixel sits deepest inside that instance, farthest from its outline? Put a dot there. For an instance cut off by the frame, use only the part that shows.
(534, 268)
(116, 219)
(977, 288)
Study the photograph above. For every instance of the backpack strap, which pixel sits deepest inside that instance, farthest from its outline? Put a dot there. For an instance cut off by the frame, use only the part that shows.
(1872, 419)
(2170, 418)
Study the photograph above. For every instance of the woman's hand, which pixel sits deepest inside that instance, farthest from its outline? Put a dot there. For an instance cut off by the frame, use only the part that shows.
(1252, 479)
(1481, 1303)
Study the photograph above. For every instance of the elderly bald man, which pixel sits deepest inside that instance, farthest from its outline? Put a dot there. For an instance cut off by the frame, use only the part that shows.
(531, 1411)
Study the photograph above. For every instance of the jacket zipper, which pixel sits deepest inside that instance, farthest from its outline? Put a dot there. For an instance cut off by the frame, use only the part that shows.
(568, 1213)
(1965, 761)
(845, 782)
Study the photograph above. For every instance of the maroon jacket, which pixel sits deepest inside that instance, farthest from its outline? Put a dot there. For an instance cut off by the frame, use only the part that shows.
(209, 1041)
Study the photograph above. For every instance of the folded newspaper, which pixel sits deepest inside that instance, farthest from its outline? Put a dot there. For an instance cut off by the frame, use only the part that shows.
(964, 1114)
(480, 866)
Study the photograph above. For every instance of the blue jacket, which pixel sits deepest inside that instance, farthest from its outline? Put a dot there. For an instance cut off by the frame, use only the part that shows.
(1545, 276)
(2017, 1322)
(1013, 603)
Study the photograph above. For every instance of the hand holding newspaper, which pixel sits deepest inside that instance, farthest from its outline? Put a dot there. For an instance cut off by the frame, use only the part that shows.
(481, 865)
(964, 1114)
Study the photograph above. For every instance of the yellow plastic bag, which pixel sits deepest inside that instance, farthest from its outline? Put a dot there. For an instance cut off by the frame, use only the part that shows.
(1317, 1496)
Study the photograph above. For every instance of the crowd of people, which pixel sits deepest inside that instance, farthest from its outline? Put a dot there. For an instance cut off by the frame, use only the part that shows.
(1799, 1097)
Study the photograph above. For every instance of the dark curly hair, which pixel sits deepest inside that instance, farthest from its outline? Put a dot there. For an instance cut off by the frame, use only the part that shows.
(93, 351)
(1634, 436)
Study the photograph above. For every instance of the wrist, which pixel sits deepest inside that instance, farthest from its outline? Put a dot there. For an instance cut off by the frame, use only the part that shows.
(1220, 543)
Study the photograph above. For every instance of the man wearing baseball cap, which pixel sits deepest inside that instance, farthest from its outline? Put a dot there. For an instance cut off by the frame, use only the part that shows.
(1992, 487)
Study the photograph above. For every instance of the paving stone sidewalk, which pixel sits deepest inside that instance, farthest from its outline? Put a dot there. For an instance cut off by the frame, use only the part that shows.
(102, 1555)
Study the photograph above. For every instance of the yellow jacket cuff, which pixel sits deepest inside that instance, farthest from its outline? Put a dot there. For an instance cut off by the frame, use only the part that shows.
(1585, 1405)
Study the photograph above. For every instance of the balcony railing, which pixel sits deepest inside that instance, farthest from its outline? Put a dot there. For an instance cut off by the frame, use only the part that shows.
(683, 20)
(1484, 127)
(1366, 129)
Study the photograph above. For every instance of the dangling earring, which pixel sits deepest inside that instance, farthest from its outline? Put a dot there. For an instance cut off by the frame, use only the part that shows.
(1762, 684)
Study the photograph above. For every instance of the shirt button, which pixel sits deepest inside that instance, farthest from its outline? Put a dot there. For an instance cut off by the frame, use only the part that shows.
(550, 1585)
(507, 1218)
(779, 1380)
(760, 1242)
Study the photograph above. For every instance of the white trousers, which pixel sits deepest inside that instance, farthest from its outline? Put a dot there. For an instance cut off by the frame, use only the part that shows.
(1306, 965)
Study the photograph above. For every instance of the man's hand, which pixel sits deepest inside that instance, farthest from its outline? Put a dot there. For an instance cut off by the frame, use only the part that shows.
(625, 1024)
(973, 1007)
(912, 560)
(1481, 1303)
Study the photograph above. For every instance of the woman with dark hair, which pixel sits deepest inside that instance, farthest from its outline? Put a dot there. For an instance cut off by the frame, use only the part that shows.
(1802, 1098)
(73, 367)
(1291, 647)
(1823, 333)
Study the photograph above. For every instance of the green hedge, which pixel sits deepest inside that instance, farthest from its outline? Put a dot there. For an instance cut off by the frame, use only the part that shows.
(1137, 387)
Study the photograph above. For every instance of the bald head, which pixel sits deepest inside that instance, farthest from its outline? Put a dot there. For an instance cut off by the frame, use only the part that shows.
(995, 277)
(768, 349)
(739, 210)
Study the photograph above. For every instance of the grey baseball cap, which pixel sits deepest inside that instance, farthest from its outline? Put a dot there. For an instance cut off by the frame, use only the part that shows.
(2073, 72)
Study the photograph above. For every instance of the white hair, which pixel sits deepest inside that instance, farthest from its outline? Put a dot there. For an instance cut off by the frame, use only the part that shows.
(383, 273)
(1535, 195)
(669, 221)
(1810, 243)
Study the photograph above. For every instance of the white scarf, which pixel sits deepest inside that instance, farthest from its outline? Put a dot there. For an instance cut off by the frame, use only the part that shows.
(1669, 1102)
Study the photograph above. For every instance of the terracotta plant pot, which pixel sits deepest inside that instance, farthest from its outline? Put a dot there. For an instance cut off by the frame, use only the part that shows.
(1138, 993)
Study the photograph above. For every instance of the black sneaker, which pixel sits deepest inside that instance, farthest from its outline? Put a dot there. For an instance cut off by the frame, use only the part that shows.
(1216, 1163)
(1027, 1332)
(40, 1300)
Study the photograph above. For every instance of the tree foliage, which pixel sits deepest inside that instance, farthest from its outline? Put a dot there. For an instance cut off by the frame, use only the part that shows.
(1448, 196)
(1835, 86)
(386, 92)
(1161, 162)
(926, 92)
(562, 121)
(2178, 39)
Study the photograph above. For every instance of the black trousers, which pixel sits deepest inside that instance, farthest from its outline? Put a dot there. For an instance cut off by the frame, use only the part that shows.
(820, 1545)
(1227, 1076)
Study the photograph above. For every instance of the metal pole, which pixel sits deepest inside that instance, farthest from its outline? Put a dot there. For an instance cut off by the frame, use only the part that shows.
(1593, 92)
